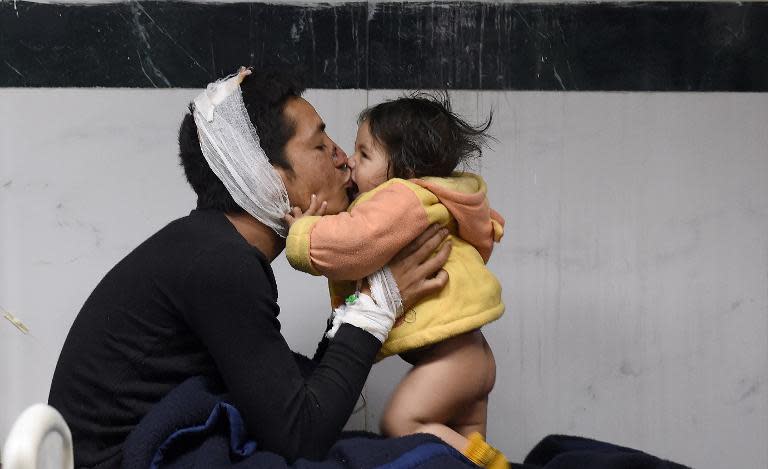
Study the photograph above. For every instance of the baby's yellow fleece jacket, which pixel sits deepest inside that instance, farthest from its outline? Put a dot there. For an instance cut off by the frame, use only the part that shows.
(380, 222)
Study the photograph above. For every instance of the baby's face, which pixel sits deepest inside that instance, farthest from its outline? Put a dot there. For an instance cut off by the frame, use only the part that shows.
(369, 163)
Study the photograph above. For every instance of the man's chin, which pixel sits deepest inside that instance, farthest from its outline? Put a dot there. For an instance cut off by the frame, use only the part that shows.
(352, 192)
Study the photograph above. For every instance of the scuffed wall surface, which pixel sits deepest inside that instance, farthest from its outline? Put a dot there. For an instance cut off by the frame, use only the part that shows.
(634, 264)
(635, 260)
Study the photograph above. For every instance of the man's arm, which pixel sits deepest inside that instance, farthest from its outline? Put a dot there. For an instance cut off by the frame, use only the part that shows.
(231, 307)
(233, 310)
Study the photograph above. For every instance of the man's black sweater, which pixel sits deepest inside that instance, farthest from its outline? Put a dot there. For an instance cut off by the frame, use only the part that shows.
(197, 299)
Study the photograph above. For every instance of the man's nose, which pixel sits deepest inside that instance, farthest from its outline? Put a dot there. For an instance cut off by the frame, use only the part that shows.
(340, 159)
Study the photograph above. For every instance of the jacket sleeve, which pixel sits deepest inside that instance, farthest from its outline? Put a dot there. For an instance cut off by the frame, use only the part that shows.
(354, 244)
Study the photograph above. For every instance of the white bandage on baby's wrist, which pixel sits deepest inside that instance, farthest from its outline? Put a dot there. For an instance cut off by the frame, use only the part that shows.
(365, 314)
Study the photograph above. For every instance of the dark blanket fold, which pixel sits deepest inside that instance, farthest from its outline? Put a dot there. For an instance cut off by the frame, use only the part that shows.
(195, 427)
(574, 452)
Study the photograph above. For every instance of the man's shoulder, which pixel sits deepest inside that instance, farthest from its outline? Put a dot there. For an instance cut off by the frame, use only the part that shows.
(173, 251)
(215, 251)
(200, 231)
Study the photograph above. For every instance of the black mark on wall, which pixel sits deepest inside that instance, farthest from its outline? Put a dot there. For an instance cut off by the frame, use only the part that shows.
(630, 46)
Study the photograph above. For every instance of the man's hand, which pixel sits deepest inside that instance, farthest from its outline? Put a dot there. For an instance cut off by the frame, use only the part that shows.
(315, 208)
(418, 273)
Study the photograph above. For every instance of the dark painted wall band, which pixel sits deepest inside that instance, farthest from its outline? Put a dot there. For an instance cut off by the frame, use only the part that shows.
(666, 46)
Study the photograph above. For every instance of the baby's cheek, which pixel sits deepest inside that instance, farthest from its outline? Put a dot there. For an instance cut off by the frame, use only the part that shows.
(380, 179)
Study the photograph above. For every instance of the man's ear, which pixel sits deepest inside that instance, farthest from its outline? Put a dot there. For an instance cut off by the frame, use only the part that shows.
(286, 175)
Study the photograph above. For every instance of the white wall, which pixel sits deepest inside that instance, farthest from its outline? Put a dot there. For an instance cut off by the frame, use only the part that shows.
(634, 265)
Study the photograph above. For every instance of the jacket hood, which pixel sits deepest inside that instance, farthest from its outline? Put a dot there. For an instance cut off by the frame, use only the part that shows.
(465, 196)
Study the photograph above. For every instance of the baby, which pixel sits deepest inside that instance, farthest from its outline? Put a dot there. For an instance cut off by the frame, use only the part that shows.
(403, 166)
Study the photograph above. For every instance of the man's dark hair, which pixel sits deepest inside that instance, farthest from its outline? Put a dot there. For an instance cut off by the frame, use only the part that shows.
(422, 135)
(265, 94)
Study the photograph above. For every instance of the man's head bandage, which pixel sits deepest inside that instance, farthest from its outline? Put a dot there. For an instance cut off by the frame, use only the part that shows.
(230, 145)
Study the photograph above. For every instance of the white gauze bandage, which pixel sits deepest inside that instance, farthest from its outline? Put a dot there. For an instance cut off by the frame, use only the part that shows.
(365, 314)
(384, 290)
(231, 147)
(375, 315)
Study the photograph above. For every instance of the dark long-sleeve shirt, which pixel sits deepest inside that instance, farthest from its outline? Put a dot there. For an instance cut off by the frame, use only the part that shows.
(197, 299)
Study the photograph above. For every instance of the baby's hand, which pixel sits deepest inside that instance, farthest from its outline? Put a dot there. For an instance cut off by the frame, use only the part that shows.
(314, 209)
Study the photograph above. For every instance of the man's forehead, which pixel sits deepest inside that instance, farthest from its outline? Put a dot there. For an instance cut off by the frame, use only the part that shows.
(305, 117)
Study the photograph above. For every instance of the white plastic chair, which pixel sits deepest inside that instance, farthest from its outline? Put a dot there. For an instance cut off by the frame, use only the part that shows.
(28, 433)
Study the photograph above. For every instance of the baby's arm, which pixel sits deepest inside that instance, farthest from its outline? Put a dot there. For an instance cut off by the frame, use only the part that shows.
(352, 245)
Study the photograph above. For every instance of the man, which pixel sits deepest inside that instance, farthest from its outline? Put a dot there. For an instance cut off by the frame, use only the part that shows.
(199, 298)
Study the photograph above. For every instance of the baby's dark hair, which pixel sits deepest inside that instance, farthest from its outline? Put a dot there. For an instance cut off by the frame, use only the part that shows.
(422, 135)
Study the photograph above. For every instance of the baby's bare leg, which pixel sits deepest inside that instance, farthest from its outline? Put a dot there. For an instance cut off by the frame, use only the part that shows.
(473, 420)
(445, 393)
(475, 416)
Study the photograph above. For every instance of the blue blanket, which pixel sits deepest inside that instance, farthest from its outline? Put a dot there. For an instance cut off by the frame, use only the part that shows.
(195, 427)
